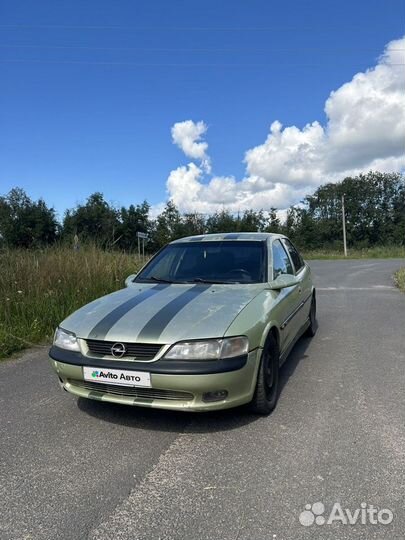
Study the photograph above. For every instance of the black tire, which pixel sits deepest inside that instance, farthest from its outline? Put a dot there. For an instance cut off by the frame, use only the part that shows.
(267, 385)
(311, 330)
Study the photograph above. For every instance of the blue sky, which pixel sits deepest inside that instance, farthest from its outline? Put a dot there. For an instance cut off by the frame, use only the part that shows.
(90, 89)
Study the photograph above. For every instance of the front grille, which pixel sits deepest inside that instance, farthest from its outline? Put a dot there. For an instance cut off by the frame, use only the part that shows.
(137, 393)
(141, 351)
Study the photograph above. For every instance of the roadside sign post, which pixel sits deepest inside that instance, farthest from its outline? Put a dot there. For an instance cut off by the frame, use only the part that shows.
(141, 236)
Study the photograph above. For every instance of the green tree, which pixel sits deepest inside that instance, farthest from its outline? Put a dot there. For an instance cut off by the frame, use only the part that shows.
(26, 223)
(192, 224)
(133, 220)
(398, 216)
(166, 227)
(94, 221)
(251, 221)
(221, 222)
(273, 224)
(373, 208)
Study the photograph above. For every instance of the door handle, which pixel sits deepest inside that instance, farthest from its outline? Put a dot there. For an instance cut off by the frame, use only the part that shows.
(299, 290)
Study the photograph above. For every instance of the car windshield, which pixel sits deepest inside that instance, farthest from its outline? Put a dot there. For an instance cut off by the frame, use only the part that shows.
(208, 262)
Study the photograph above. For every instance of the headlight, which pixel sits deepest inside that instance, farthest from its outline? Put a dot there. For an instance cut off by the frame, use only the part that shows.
(210, 349)
(66, 340)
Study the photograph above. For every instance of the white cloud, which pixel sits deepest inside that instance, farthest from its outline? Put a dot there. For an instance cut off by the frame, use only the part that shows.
(184, 184)
(365, 130)
(290, 155)
(367, 115)
(187, 135)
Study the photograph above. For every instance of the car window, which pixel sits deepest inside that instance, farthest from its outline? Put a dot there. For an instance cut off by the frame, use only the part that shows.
(295, 256)
(222, 261)
(281, 261)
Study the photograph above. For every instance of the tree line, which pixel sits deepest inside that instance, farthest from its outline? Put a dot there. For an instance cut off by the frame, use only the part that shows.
(374, 210)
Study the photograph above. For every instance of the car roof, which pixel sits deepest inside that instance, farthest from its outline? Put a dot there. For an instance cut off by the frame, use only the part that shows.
(236, 236)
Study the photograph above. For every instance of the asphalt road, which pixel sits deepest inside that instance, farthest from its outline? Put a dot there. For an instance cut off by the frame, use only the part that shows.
(87, 470)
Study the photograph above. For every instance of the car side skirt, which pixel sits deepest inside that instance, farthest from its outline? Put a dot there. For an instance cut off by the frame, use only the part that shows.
(287, 350)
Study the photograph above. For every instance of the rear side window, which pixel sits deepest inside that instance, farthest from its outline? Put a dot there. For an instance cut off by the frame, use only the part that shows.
(281, 261)
(295, 256)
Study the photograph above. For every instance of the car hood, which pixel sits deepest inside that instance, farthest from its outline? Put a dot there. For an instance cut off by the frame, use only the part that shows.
(162, 313)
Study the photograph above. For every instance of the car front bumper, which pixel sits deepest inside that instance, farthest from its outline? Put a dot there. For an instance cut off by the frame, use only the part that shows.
(175, 391)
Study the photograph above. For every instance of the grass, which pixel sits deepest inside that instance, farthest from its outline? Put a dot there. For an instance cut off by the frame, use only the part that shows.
(38, 289)
(399, 277)
(382, 252)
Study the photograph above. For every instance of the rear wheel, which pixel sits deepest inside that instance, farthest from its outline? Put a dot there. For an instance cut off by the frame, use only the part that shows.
(311, 330)
(267, 384)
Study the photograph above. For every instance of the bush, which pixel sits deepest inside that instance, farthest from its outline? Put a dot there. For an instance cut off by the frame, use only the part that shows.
(400, 279)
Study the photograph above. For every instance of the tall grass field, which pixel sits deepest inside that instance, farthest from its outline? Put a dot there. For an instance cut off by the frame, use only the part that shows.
(38, 289)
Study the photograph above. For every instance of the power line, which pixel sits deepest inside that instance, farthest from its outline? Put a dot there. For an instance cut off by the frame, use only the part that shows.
(175, 65)
(179, 28)
(184, 49)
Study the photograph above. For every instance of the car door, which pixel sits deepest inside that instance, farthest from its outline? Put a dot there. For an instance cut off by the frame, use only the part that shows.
(289, 299)
(303, 272)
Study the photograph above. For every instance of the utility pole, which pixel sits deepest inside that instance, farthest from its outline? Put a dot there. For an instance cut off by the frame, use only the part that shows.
(344, 225)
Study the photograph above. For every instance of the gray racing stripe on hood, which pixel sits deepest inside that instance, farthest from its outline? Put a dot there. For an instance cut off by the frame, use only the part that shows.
(102, 327)
(153, 328)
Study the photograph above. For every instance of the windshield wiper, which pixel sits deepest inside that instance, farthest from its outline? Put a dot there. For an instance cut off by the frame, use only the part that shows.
(214, 281)
(160, 280)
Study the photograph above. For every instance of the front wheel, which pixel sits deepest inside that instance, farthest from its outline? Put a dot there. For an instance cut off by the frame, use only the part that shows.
(267, 384)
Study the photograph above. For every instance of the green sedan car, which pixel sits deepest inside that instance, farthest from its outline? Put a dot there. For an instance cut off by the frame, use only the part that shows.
(205, 325)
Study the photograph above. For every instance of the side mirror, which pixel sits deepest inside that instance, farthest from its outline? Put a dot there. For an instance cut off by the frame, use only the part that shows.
(130, 280)
(283, 281)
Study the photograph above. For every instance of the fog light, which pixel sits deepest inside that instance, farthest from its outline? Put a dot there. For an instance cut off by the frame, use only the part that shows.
(218, 395)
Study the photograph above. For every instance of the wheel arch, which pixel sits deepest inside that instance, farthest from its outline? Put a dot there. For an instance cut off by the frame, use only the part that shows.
(272, 330)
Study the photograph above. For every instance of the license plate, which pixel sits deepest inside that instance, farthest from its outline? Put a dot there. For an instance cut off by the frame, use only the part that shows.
(121, 377)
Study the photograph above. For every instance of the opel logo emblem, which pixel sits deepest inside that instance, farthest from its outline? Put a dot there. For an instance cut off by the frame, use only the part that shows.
(118, 350)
